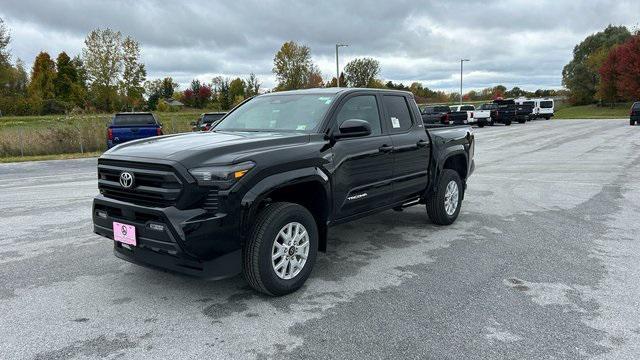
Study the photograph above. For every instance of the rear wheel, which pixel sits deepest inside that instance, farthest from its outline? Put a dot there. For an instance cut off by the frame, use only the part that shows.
(443, 206)
(507, 123)
(631, 122)
(281, 250)
(522, 121)
(481, 124)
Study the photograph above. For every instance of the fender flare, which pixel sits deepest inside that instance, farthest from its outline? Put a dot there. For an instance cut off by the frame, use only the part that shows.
(261, 190)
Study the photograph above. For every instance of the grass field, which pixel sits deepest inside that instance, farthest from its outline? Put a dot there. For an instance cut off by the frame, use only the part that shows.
(29, 136)
(592, 112)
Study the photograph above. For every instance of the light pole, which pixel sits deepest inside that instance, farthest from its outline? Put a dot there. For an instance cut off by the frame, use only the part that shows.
(461, 61)
(337, 66)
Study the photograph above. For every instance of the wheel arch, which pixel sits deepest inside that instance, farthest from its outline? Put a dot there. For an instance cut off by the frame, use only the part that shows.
(308, 187)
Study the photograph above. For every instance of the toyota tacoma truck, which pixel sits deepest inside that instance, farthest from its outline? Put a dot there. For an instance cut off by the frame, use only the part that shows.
(259, 192)
(127, 126)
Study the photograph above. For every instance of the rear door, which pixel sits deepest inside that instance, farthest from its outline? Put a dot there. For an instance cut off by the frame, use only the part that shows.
(363, 166)
(411, 147)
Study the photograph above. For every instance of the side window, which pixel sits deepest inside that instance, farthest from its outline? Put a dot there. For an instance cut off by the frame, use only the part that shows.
(398, 112)
(363, 107)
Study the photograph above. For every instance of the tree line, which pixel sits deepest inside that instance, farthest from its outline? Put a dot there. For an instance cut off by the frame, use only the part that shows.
(108, 76)
(604, 68)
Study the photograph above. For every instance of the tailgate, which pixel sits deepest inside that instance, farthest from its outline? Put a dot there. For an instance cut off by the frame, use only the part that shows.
(126, 133)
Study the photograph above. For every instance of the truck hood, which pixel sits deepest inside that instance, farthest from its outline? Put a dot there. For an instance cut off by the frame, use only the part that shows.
(206, 147)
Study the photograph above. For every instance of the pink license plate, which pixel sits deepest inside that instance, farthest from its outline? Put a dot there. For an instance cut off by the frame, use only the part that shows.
(124, 233)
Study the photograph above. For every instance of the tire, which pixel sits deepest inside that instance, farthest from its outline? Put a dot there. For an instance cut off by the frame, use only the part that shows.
(258, 267)
(436, 202)
(481, 124)
(631, 122)
(507, 123)
(491, 122)
(522, 121)
(547, 117)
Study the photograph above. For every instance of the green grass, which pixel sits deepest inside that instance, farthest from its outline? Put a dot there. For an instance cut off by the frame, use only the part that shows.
(619, 111)
(11, 159)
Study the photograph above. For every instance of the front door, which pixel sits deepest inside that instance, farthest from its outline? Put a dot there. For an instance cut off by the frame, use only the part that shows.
(363, 166)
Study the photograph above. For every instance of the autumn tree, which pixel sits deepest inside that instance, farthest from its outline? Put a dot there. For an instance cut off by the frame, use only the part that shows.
(43, 75)
(252, 85)
(133, 72)
(581, 75)
(293, 67)
(237, 90)
(361, 72)
(620, 72)
(102, 56)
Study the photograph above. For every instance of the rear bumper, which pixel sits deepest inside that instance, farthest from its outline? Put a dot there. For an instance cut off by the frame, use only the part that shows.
(190, 242)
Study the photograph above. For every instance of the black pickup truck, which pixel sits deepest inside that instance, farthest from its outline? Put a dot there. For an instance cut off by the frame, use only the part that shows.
(634, 114)
(505, 112)
(524, 112)
(258, 193)
(435, 114)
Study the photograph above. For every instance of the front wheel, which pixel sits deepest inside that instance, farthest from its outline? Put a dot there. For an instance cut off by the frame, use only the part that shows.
(443, 206)
(631, 122)
(507, 123)
(481, 124)
(281, 250)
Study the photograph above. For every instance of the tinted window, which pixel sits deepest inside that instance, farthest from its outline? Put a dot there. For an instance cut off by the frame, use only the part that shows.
(428, 110)
(441, 109)
(364, 107)
(488, 106)
(279, 112)
(209, 118)
(546, 104)
(530, 103)
(134, 119)
(398, 111)
(467, 108)
(636, 106)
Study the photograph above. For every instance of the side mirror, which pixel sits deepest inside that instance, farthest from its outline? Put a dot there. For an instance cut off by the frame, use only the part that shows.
(353, 128)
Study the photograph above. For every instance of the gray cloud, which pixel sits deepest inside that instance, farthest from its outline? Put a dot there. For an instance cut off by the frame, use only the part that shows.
(516, 43)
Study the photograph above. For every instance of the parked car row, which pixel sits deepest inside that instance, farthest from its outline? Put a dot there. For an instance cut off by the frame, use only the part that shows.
(500, 111)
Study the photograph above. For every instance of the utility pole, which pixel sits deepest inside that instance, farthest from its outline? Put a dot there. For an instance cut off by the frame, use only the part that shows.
(337, 64)
(461, 61)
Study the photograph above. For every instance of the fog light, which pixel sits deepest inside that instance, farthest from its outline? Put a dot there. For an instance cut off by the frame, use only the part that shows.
(101, 214)
(157, 227)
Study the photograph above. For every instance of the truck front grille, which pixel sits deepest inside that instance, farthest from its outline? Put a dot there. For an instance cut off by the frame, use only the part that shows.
(154, 185)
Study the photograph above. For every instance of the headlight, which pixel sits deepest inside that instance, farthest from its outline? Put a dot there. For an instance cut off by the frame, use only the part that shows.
(223, 176)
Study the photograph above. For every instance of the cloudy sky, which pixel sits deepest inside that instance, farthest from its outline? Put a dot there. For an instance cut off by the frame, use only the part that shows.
(515, 43)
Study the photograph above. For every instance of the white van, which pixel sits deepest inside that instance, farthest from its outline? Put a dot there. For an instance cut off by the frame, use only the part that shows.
(542, 108)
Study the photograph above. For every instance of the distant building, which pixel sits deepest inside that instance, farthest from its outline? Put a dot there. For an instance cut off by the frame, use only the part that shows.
(173, 102)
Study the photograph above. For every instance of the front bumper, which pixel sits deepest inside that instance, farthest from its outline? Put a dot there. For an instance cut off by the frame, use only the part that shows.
(191, 242)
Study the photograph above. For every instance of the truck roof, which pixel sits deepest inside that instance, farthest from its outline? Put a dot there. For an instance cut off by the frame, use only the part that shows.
(335, 91)
(134, 113)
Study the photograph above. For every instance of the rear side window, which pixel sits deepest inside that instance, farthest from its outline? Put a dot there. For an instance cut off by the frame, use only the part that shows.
(441, 109)
(428, 110)
(399, 116)
(546, 104)
(134, 119)
(363, 107)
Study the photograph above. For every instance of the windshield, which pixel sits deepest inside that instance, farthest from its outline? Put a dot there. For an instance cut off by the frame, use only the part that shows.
(441, 109)
(134, 119)
(487, 107)
(279, 112)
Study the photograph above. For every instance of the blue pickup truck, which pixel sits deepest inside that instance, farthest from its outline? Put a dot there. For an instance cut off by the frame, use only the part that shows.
(127, 126)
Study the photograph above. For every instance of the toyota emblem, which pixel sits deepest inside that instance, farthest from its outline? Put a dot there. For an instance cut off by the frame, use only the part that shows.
(126, 180)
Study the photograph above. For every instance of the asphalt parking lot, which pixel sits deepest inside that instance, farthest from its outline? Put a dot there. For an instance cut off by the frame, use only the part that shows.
(543, 262)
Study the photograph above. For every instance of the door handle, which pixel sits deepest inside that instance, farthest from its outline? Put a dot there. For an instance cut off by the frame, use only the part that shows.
(385, 148)
(422, 143)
